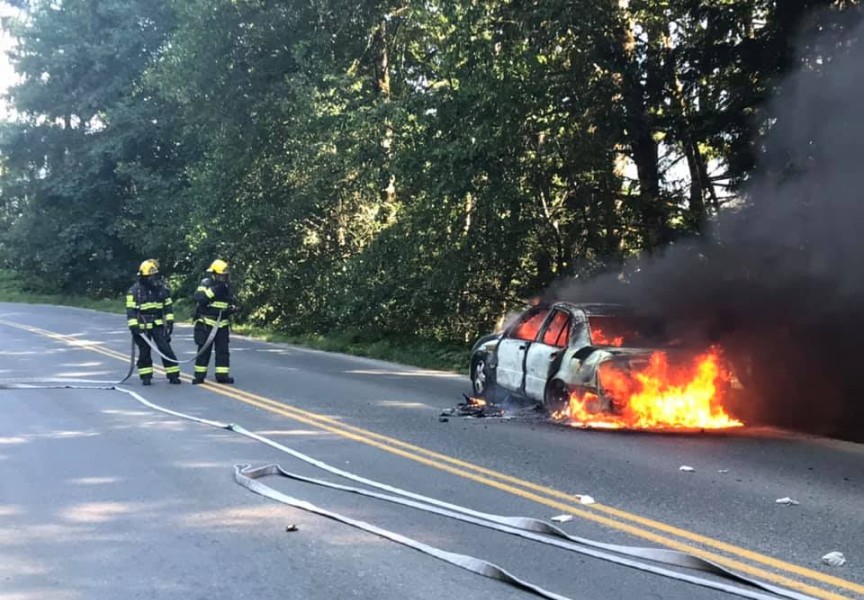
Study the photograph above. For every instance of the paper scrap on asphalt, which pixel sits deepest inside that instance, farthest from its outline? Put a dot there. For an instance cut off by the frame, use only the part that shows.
(834, 559)
(686, 469)
(562, 518)
(787, 501)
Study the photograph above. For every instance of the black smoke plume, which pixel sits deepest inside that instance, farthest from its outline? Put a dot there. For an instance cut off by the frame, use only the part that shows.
(780, 284)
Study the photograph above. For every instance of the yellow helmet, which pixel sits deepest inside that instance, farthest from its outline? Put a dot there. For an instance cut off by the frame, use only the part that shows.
(148, 267)
(219, 267)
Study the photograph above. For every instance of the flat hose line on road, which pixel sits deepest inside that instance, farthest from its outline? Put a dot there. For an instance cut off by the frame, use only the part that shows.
(524, 527)
(88, 383)
(155, 349)
(132, 353)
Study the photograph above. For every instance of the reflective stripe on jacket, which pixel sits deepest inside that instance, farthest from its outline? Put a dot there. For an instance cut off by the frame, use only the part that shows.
(213, 299)
(149, 307)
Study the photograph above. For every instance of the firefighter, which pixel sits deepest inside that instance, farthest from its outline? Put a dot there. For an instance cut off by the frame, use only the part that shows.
(150, 312)
(214, 298)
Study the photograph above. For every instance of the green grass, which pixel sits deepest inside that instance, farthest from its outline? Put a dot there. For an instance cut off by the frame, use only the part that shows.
(424, 354)
(419, 353)
(12, 290)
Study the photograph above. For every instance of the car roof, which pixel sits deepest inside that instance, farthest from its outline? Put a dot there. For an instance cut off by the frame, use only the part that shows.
(597, 309)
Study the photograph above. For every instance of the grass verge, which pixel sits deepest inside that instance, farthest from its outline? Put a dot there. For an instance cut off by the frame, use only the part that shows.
(12, 290)
(423, 353)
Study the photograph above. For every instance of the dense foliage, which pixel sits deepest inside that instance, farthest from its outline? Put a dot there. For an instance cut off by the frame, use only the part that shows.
(397, 166)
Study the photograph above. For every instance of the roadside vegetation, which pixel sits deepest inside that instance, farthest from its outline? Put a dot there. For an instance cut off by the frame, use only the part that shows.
(13, 289)
(389, 178)
(429, 354)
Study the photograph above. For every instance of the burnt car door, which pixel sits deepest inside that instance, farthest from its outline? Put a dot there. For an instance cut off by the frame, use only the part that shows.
(510, 372)
(544, 355)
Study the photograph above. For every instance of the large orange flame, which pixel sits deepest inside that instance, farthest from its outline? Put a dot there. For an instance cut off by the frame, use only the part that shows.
(658, 396)
(599, 338)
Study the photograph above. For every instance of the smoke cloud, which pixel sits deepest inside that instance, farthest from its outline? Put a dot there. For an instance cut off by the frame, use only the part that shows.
(781, 284)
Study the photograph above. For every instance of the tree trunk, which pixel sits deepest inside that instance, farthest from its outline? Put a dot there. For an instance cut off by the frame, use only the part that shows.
(382, 85)
(697, 182)
(639, 130)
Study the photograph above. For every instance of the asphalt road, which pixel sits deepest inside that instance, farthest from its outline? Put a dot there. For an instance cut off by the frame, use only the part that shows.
(101, 497)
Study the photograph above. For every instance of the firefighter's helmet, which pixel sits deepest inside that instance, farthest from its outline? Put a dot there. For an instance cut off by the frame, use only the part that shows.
(148, 268)
(218, 267)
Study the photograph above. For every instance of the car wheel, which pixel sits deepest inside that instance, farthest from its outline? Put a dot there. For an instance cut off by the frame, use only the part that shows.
(557, 396)
(481, 377)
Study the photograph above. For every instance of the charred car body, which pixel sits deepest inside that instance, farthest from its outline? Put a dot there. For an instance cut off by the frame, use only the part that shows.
(553, 351)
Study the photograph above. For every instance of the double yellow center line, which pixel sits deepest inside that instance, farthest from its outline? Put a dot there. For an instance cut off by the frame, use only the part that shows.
(641, 527)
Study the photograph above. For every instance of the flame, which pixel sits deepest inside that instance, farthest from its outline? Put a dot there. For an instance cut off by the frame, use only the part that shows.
(529, 329)
(587, 410)
(599, 338)
(658, 396)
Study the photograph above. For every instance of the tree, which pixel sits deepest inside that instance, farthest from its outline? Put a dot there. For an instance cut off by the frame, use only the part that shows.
(79, 61)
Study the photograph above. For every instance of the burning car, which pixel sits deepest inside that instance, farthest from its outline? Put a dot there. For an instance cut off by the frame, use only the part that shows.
(603, 365)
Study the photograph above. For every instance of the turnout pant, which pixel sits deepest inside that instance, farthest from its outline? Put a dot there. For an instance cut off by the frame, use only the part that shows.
(220, 344)
(145, 359)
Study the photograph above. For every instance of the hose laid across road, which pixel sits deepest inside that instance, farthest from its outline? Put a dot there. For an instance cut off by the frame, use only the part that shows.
(155, 349)
(524, 527)
(110, 385)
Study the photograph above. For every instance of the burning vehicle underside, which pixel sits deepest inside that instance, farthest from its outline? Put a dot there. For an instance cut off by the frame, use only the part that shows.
(600, 366)
(650, 390)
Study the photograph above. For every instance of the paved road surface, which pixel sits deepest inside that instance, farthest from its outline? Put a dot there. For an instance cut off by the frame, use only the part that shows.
(102, 498)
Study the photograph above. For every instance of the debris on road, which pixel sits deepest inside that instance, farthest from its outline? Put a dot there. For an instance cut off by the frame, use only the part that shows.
(292, 527)
(787, 501)
(474, 407)
(563, 518)
(722, 470)
(586, 499)
(686, 469)
(443, 419)
(834, 559)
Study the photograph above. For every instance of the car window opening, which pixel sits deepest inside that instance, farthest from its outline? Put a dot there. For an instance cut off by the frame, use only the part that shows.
(558, 332)
(528, 329)
(627, 331)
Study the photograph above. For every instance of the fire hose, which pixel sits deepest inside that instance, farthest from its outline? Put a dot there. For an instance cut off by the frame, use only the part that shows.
(207, 343)
(110, 385)
(524, 527)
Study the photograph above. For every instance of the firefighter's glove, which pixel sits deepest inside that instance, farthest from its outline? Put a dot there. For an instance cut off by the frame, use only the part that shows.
(170, 329)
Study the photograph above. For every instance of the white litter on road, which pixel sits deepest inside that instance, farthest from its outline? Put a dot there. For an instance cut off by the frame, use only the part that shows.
(586, 499)
(563, 518)
(787, 501)
(722, 470)
(686, 469)
(834, 559)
